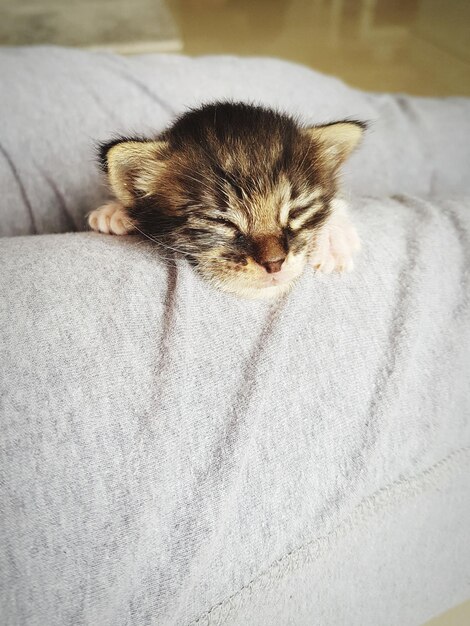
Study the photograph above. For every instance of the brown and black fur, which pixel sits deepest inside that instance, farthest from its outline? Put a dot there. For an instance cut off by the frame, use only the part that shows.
(227, 185)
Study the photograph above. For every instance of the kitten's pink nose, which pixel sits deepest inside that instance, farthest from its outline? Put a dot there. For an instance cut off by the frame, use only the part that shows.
(273, 266)
(270, 252)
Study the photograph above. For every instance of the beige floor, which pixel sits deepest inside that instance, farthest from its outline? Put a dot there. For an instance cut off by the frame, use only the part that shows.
(418, 46)
(460, 616)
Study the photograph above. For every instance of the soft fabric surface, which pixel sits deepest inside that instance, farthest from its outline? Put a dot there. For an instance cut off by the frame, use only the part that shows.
(59, 103)
(164, 444)
(171, 455)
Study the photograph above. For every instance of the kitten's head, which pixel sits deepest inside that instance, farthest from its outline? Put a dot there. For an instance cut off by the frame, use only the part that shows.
(240, 190)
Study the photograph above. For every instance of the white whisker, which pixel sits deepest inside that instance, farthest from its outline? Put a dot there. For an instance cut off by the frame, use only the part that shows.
(159, 243)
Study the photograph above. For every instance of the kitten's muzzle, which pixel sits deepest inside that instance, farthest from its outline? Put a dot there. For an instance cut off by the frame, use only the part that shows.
(273, 266)
(270, 253)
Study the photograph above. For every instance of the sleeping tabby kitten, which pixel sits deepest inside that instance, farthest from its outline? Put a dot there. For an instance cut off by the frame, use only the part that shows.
(243, 192)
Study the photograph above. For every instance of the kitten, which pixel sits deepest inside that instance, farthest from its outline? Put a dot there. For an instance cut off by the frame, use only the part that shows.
(244, 192)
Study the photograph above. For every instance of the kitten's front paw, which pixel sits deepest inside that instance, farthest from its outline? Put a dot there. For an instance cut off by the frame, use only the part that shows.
(336, 247)
(111, 218)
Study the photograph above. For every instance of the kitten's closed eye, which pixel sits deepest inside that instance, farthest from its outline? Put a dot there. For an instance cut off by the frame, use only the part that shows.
(297, 211)
(241, 239)
(220, 220)
(242, 190)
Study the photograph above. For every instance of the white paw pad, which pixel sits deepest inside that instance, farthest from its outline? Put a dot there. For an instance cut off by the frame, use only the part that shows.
(111, 219)
(336, 247)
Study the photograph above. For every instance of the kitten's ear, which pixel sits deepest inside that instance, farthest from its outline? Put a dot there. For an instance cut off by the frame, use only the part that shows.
(133, 167)
(336, 141)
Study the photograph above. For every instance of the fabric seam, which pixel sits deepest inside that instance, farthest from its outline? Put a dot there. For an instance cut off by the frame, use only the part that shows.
(386, 497)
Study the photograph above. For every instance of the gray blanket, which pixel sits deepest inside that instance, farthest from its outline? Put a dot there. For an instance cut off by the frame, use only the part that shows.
(172, 455)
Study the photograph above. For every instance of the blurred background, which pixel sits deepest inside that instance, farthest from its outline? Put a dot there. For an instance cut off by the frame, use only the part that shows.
(420, 47)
